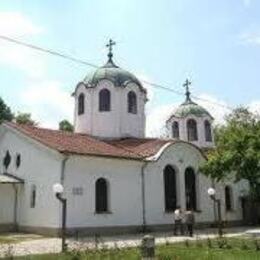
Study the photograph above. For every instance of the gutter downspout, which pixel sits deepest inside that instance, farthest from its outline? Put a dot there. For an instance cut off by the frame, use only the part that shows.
(62, 178)
(143, 197)
(15, 207)
(63, 166)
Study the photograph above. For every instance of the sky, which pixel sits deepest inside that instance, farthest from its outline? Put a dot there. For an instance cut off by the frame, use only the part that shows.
(216, 44)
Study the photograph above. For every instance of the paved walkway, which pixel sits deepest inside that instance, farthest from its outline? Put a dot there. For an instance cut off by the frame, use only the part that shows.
(41, 245)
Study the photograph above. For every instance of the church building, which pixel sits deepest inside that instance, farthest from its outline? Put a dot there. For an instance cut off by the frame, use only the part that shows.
(115, 179)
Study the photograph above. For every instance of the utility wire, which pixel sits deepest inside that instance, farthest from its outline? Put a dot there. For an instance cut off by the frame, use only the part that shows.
(79, 61)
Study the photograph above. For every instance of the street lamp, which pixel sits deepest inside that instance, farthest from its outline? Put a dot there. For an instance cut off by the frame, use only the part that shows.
(212, 194)
(58, 190)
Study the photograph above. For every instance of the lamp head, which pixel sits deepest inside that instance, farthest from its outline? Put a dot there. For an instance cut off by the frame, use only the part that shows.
(211, 191)
(58, 188)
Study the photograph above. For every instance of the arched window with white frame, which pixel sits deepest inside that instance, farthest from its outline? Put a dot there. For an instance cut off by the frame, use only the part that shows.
(81, 104)
(228, 198)
(175, 130)
(132, 102)
(101, 195)
(192, 130)
(207, 128)
(104, 100)
(170, 189)
(190, 189)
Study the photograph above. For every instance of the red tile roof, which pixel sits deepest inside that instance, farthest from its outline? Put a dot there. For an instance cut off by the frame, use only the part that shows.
(82, 144)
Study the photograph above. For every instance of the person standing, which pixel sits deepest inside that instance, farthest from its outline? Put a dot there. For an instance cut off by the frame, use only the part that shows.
(178, 221)
(189, 221)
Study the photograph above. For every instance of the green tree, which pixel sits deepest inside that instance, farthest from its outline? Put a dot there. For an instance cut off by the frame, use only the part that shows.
(25, 119)
(65, 125)
(5, 112)
(237, 153)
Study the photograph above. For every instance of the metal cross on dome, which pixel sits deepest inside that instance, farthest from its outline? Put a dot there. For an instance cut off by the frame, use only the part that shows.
(110, 45)
(186, 85)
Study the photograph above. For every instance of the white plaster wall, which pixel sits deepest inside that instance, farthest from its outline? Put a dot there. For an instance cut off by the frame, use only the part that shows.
(39, 166)
(200, 129)
(6, 204)
(237, 188)
(116, 123)
(124, 178)
(181, 156)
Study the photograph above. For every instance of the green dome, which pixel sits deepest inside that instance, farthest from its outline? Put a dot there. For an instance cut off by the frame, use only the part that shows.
(112, 72)
(191, 108)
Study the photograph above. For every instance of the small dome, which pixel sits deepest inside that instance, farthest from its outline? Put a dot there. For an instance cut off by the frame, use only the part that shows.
(191, 108)
(112, 72)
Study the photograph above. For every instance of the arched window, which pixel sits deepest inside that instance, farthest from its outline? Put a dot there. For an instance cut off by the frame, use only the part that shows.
(228, 198)
(175, 130)
(81, 104)
(208, 135)
(104, 100)
(192, 130)
(101, 196)
(190, 189)
(170, 188)
(33, 196)
(132, 102)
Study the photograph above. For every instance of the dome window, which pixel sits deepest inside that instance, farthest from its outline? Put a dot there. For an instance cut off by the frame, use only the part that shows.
(132, 102)
(192, 130)
(81, 104)
(104, 100)
(208, 134)
(175, 130)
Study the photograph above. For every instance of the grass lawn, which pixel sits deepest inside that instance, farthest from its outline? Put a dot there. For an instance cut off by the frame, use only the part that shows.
(230, 249)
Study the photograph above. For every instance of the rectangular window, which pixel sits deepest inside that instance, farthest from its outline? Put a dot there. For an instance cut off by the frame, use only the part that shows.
(33, 197)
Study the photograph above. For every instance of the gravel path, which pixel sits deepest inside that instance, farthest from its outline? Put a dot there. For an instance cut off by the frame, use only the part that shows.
(53, 245)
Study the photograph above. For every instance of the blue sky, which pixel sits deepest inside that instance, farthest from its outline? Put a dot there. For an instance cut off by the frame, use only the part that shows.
(214, 43)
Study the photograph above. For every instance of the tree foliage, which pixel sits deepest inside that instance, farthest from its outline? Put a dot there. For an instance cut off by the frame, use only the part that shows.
(25, 119)
(237, 153)
(65, 125)
(5, 112)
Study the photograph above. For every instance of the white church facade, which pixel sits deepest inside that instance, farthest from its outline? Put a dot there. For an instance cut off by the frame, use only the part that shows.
(115, 180)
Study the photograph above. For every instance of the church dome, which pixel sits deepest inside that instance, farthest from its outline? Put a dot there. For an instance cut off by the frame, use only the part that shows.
(191, 108)
(110, 71)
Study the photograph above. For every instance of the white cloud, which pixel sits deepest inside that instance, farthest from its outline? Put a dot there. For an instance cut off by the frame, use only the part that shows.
(254, 107)
(14, 24)
(250, 38)
(48, 103)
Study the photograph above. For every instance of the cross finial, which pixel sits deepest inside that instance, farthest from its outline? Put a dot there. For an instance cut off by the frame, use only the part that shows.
(110, 49)
(186, 85)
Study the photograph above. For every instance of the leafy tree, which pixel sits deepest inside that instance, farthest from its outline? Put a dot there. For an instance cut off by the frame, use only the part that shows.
(5, 112)
(237, 153)
(65, 125)
(25, 119)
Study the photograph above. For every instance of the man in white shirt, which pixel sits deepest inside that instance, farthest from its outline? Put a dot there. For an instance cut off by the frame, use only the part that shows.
(178, 221)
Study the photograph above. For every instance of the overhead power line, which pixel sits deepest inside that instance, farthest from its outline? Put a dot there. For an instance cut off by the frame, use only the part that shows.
(83, 62)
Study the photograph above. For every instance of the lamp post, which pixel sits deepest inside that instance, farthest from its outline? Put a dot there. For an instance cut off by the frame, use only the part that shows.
(58, 190)
(212, 194)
